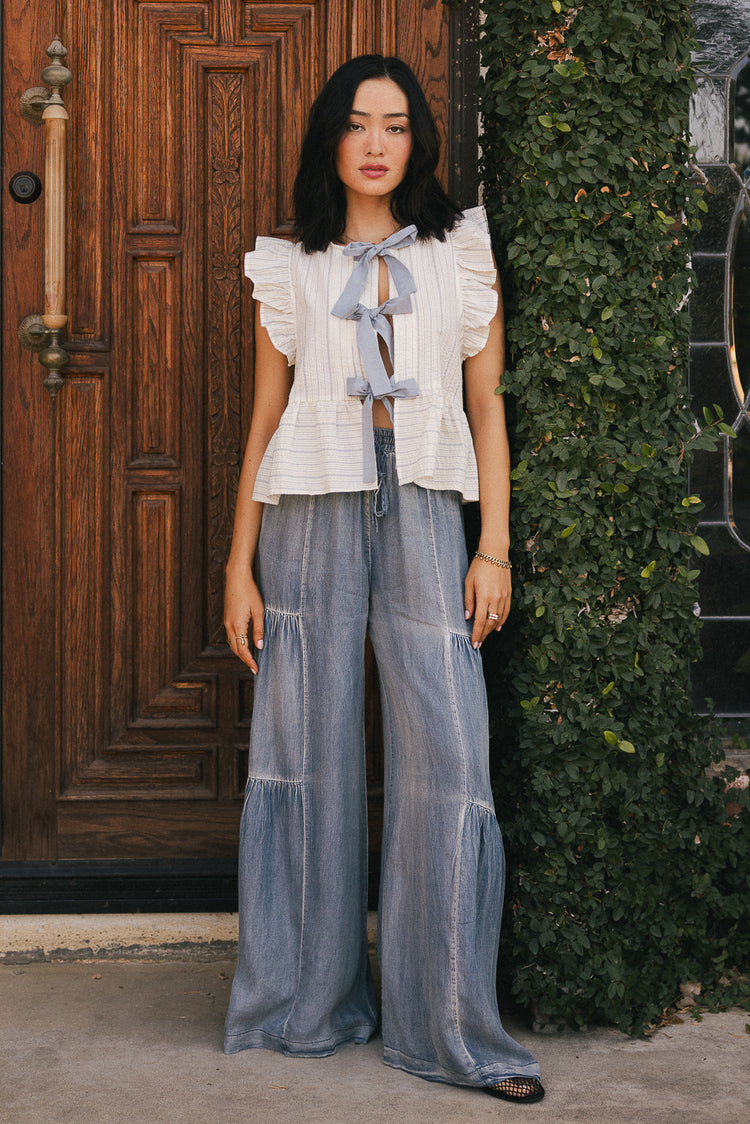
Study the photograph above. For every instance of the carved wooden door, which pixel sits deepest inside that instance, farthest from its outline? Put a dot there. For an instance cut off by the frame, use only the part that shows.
(125, 717)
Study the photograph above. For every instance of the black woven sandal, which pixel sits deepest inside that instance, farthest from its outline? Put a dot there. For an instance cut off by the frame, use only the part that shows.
(522, 1090)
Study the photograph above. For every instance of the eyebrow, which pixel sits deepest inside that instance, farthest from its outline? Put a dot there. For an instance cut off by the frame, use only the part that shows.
(361, 113)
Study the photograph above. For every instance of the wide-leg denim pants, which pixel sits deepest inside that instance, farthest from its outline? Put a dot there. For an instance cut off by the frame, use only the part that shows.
(330, 570)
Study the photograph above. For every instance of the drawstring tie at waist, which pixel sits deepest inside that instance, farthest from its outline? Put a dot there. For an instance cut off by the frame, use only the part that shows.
(384, 446)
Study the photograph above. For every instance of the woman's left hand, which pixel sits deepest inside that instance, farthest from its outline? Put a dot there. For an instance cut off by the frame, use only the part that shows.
(487, 590)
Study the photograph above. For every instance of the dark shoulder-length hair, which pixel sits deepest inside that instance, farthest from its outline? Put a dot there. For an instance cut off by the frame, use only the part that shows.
(319, 197)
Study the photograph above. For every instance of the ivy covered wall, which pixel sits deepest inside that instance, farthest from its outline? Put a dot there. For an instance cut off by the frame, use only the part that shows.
(628, 874)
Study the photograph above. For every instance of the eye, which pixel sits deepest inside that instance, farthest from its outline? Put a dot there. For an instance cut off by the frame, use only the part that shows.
(353, 127)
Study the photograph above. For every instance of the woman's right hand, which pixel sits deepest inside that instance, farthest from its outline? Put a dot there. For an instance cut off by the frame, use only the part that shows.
(243, 614)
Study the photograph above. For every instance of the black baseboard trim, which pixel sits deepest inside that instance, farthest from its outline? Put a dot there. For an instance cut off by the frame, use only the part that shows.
(119, 886)
(129, 886)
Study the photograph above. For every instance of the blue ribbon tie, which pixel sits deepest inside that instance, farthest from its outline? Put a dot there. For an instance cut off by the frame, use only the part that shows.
(374, 323)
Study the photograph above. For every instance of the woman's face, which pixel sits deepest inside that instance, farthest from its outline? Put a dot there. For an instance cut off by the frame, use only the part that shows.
(373, 154)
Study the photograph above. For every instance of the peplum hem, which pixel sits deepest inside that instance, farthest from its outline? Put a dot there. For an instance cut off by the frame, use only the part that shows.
(476, 276)
(313, 452)
(434, 447)
(317, 443)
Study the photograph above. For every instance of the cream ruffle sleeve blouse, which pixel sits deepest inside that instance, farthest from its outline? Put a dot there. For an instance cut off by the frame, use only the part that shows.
(320, 445)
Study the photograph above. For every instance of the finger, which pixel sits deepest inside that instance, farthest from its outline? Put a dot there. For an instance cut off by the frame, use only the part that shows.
(479, 631)
(258, 623)
(469, 599)
(505, 604)
(488, 628)
(494, 621)
(502, 611)
(240, 643)
(497, 614)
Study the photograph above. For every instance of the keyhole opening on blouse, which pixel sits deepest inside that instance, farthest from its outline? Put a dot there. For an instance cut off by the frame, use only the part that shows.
(380, 416)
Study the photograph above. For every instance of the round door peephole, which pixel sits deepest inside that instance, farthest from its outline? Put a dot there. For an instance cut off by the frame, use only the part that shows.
(25, 187)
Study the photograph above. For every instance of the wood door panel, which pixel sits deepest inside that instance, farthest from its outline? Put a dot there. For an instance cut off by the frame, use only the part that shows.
(306, 41)
(88, 26)
(153, 354)
(122, 772)
(126, 730)
(161, 691)
(158, 35)
(82, 510)
(144, 829)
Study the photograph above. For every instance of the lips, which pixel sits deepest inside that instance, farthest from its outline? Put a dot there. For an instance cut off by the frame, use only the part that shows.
(373, 171)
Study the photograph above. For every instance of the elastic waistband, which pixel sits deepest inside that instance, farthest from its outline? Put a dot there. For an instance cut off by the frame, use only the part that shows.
(384, 439)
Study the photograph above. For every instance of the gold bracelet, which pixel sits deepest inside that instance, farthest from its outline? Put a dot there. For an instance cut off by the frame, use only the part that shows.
(495, 561)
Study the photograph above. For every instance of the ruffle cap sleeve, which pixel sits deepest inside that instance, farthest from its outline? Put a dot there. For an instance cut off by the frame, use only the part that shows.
(476, 276)
(269, 268)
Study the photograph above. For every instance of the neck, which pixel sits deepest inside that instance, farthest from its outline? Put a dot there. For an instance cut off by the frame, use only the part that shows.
(369, 220)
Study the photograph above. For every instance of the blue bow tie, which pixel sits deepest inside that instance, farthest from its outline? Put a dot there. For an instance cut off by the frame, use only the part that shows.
(373, 322)
(363, 253)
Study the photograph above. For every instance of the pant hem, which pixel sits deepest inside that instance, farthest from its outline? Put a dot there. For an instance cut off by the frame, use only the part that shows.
(356, 1035)
(479, 1079)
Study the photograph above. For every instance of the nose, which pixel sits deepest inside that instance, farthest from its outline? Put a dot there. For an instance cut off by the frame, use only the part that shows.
(375, 144)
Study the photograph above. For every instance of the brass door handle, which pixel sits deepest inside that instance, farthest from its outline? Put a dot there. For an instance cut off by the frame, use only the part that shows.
(44, 105)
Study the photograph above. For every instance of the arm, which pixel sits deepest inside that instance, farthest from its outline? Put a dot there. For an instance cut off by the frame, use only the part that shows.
(243, 605)
(487, 587)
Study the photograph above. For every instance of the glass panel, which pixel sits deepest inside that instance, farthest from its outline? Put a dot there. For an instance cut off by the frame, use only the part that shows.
(724, 584)
(710, 383)
(741, 155)
(707, 116)
(739, 484)
(721, 197)
(723, 30)
(706, 478)
(741, 302)
(723, 675)
(741, 251)
(707, 302)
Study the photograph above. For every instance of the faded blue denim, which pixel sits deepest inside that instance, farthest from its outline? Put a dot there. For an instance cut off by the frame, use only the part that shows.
(331, 569)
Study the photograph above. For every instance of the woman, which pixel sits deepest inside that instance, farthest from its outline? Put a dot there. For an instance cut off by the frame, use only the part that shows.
(349, 511)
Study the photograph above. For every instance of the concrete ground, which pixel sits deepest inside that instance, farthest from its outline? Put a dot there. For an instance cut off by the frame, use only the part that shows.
(110, 1041)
